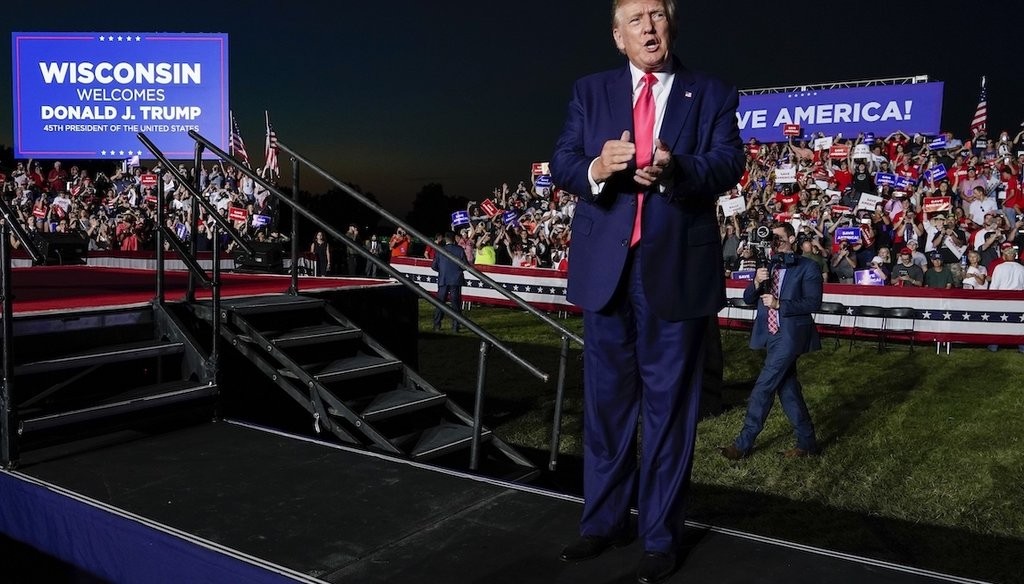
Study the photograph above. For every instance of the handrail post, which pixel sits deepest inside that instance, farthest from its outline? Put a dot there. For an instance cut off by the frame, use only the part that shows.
(294, 289)
(161, 218)
(197, 160)
(556, 425)
(478, 408)
(9, 437)
(215, 305)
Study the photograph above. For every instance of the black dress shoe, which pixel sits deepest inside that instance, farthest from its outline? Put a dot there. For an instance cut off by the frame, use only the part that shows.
(655, 567)
(590, 546)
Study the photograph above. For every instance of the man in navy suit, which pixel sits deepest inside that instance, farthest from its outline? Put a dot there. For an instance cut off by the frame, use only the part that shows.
(785, 326)
(647, 282)
(449, 280)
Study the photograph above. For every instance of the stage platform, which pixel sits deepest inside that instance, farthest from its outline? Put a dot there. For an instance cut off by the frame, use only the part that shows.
(228, 502)
(51, 288)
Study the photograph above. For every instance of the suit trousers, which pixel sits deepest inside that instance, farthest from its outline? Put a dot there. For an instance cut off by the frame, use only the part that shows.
(449, 295)
(639, 368)
(778, 376)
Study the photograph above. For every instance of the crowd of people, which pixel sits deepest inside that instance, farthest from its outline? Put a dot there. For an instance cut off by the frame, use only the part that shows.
(900, 210)
(116, 211)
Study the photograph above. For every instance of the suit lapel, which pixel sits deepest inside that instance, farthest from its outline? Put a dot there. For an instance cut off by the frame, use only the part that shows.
(680, 102)
(620, 102)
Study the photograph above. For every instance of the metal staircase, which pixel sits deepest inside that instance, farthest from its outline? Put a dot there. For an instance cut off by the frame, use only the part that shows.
(73, 372)
(353, 388)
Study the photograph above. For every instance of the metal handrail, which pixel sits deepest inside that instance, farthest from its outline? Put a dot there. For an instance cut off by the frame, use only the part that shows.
(440, 249)
(20, 233)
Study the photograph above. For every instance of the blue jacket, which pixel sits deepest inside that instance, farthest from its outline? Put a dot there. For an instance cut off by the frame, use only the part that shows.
(448, 272)
(682, 269)
(800, 298)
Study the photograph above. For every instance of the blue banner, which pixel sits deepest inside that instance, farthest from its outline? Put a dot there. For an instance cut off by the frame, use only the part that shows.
(935, 173)
(88, 95)
(850, 234)
(460, 218)
(903, 182)
(880, 110)
(885, 178)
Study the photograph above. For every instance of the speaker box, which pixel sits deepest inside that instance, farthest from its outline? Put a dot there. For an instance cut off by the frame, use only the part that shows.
(266, 257)
(62, 248)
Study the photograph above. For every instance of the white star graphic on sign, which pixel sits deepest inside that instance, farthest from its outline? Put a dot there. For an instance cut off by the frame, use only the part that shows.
(849, 311)
(984, 316)
(516, 288)
(138, 38)
(103, 152)
(120, 38)
(102, 38)
(1022, 317)
(551, 290)
(1004, 317)
(926, 314)
(967, 316)
(946, 316)
(121, 152)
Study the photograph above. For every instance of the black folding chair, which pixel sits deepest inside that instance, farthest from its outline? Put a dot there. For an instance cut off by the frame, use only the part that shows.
(901, 321)
(868, 312)
(831, 310)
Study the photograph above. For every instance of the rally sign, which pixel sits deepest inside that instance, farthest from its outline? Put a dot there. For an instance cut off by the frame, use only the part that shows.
(935, 173)
(39, 213)
(732, 205)
(509, 218)
(540, 168)
(489, 208)
(839, 151)
(148, 180)
(862, 151)
(850, 234)
(791, 130)
(237, 214)
(938, 143)
(785, 175)
(868, 201)
(869, 138)
(903, 182)
(460, 218)
(260, 220)
(823, 143)
(89, 95)
(743, 275)
(885, 178)
(150, 199)
(867, 278)
(937, 204)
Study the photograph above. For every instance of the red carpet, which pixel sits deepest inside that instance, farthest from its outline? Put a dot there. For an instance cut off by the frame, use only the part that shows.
(75, 287)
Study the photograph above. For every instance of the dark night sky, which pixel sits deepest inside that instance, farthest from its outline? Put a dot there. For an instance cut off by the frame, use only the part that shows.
(394, 95)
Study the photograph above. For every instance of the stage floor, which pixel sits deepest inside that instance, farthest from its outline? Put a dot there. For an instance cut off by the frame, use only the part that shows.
(325, 513)
(48, 288)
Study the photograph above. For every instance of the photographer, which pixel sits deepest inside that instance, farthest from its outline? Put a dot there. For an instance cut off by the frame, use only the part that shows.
(844, 263)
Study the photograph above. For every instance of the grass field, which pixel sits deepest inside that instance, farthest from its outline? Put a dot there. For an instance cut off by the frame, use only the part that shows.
(923, 455)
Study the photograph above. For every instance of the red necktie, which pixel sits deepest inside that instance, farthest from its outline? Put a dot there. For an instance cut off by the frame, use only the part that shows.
(773, 314)
(643, 137)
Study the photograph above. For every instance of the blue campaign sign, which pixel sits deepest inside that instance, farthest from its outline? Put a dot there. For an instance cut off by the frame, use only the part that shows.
(935, 173)
(885, 178)
(903, 182)
(460, 218)
(938, 143)
(851, 234)
(867, 278)
(880, 110)
(88, 95)
(743, 275)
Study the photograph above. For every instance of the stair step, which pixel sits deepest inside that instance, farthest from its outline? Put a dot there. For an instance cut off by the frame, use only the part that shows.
(360, 365)
(102, 355)
(142, 398)
(263, 304)
(445, 438)
(306, 335)
(401, 401)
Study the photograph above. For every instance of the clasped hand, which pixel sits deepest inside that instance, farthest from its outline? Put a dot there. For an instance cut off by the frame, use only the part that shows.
(617, 154)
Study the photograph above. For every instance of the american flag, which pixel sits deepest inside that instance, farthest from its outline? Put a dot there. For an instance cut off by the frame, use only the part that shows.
(980, 114)
(237, 146)
(271, 150)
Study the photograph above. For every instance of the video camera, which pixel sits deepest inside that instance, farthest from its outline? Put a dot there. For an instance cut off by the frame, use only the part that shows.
(761, 242)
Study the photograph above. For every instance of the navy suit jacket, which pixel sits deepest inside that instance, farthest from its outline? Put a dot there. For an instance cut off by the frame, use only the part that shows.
(448, 272)
(682, 268)
(800, 298)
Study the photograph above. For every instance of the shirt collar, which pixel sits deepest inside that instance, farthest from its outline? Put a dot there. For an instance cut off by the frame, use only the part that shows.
(636, 75)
